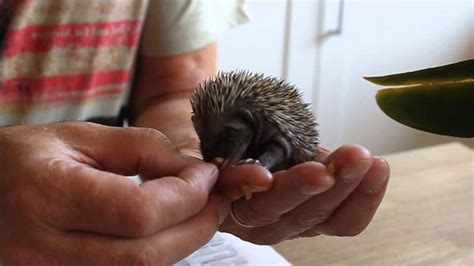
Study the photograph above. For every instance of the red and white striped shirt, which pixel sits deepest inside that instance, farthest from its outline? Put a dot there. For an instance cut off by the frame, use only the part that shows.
(73, 59)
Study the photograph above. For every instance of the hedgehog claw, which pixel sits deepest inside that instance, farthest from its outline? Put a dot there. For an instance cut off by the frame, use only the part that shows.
(249, 161)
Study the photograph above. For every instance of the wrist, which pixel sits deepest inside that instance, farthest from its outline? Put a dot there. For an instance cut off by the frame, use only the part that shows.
(171, 116)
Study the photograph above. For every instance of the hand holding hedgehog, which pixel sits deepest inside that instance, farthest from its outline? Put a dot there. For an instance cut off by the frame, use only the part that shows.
(241, 116)
(244, 116)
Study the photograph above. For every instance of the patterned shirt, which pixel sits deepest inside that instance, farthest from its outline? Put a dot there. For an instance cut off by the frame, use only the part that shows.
(74, 59)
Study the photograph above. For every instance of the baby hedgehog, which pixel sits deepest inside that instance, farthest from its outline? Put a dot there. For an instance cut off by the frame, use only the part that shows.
(239, 115)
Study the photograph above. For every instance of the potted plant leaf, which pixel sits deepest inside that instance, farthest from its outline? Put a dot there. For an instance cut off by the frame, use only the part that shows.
(438, 100)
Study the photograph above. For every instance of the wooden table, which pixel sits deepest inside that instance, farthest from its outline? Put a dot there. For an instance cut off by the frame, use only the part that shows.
(426, 217)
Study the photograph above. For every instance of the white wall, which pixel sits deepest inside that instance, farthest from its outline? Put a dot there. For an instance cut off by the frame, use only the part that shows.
(378, 37)
(381, 37)
(258, 44)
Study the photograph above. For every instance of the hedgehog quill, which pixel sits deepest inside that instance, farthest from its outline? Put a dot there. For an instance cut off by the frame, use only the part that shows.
(242, 117)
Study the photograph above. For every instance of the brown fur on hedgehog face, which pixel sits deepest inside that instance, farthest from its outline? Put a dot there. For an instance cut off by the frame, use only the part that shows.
(227, 136)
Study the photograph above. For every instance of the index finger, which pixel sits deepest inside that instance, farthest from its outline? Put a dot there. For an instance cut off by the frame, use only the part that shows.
(232, 180)
(125, 151)
(87, 199)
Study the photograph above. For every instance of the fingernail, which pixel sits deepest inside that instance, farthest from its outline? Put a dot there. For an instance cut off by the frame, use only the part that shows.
(375, 184)
(215, 171)
(354, 172)
(258, 188)
(310, 190)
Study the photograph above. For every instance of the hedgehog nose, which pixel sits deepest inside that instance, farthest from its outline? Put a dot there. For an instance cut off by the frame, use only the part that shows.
(208, 154)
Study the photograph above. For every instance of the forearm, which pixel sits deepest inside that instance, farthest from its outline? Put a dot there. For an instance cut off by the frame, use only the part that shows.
(171, 116)
(162, 90)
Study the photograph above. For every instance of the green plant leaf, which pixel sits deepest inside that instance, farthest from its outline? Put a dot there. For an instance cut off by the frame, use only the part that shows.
(448, 73)
(444, 108)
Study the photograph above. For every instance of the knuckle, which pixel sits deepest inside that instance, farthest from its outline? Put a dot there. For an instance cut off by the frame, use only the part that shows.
(59, 167)
(309, 233)
(150, 133)
(77, 126)
(306, 220)
(138, 257)
(151, 136)
(256, 217)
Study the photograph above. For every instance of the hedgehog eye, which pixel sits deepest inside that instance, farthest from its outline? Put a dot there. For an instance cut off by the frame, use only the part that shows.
(230, 132)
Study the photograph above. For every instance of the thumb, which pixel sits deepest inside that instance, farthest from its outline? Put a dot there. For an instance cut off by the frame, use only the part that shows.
(126, 151)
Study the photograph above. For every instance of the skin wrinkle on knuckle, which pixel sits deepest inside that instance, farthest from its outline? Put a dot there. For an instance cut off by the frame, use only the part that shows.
(345, 229)
(309, 233)
(145, 255)
(150, 134)
(274, 234)
(307, 220)
(72, 130)
(251, 215)
(58, 167)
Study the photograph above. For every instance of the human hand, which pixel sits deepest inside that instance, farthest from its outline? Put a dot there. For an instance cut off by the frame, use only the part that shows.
(311, 198)
(64, 198)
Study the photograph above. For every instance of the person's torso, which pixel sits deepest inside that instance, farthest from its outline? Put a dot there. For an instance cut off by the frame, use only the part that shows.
(67, 60)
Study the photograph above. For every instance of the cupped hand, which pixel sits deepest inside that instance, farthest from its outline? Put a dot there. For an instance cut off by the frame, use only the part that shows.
(337, 194)
(64, 198)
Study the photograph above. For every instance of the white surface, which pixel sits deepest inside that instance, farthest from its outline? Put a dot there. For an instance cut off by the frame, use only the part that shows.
(226, 249)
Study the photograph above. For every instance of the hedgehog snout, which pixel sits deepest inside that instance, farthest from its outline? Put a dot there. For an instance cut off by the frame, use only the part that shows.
(220, 148)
